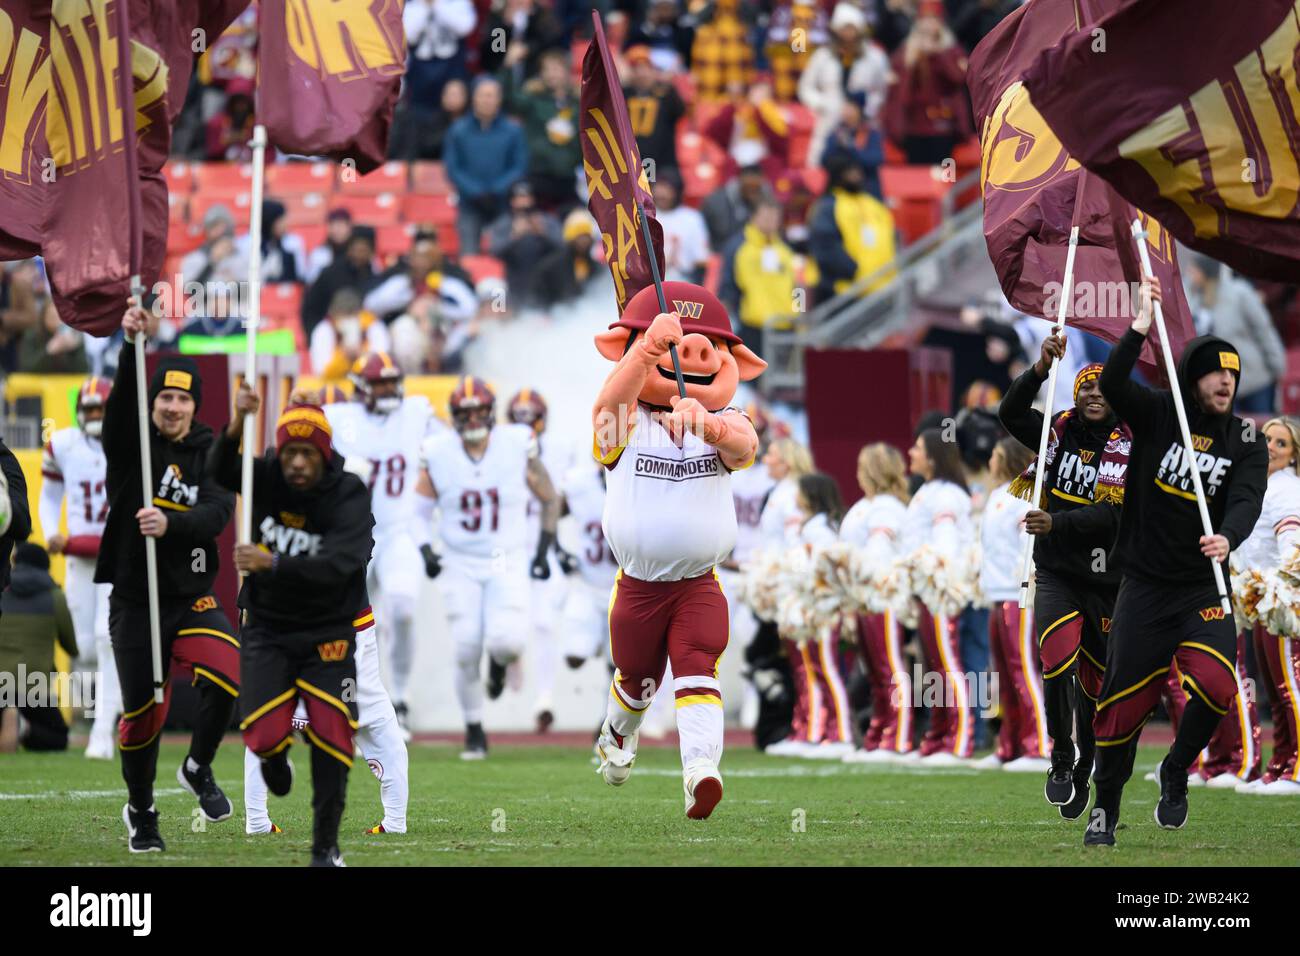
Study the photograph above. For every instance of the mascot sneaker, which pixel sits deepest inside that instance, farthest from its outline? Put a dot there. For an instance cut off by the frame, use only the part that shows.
(703, 786)
(617, 755)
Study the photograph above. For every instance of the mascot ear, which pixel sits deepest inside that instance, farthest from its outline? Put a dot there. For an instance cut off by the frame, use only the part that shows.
(750, 365)
(611, 344)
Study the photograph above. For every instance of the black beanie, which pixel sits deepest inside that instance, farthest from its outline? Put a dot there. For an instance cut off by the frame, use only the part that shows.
(1211, 356)
(179, 372)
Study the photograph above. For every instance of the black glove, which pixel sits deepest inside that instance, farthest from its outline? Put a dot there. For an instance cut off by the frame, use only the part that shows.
(541, 567)
(568, 563)
(432, 563)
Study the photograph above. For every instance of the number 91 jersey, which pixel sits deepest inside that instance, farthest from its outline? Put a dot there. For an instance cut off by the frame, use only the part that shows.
(391, 445)
(484, 503)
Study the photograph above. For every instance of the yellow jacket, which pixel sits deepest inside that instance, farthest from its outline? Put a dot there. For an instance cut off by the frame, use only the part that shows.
(766, 274)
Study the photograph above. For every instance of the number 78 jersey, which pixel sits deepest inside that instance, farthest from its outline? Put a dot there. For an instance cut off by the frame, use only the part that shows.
(483, 504)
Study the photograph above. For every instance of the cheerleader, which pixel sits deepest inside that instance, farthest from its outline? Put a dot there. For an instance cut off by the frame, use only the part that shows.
(787, 461)
(1277, 657)
(938, 517)
(1023, 744)
(873, 525)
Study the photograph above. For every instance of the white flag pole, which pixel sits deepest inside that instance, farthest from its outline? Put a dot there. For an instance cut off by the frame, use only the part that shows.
(146, 482)
(1040, 469)
(253, 321)
(1140, 237)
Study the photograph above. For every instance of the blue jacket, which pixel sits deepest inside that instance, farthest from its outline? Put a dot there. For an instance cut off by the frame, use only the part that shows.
(484, 161)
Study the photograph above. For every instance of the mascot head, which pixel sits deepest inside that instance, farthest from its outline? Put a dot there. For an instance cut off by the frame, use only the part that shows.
(713, 359)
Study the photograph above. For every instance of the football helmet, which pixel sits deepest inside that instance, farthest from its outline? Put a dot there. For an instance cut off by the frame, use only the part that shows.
(472, 407)
(371, 373)
(92, 394)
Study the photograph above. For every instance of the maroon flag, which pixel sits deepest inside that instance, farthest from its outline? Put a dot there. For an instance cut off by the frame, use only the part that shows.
(329, 75)
(1034, 193)
(25, 80)
(1205, 135)
(615, 180)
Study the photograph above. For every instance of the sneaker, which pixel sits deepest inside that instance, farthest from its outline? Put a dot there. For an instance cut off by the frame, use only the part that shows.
(879, 755)
(403, 720)
(912, 757)
(1100, 830)
(1280, 788)
(703, 786)
(783, 748)
(330, 857)
(1224, 781)
(277, 771)
(496, 679)
(1171, 810)
(1079, 802)
(1059, 789)
(828, 750)
(943, 759)
(545, 718)
(991, 762)
(476, 746)
(274, 828)
(1253, 786)
(98, 748)
(1028, 765)
(617, 755)
(142, 834)
(200, 782)
(375, 830)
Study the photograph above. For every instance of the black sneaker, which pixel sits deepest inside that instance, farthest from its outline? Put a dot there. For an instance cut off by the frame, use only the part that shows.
(277, 771)
(1079, 802)
(142, 834)
(1059, 788)
(1171, 811)
(330, 857)
(496, 679)
(200, 782)
(475, 743)
(1100, 830)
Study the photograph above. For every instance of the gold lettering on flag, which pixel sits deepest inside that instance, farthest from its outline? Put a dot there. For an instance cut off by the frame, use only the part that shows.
(23, 61)
(342, 38)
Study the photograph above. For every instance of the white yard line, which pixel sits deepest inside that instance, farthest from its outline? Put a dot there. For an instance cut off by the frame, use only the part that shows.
(84, 794)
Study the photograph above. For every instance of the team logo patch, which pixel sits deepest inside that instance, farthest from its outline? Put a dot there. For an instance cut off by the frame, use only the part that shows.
(1105, 625)
(290, 520)
(175, 378)
(300, 430)
(1211, 613)
(689, 310)
(332, 651)
(1201, 442)
(1230, 360)
(205, 603)
(1087, 456)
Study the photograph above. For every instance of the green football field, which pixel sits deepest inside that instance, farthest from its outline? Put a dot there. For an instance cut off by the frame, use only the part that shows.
(544, 805)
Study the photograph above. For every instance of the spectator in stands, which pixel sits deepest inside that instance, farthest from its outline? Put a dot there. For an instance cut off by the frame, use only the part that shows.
(760, 277)
(893, 22)
(977, 18)
(654, 107)
(217, 260)
(437, 325)
(51, 348)
(230, 131)
(798, 195)
(516, 35)
(796, 30)
(857, 138)
(36, 620)
(485, 154)
(686, 238)
(338, 227)
(566, 273)
(852, 232)
(355, 270)
(435, 34)
(284, 257)
(547, 106)
(348, 332)
(727, 210)
(420, 133)
(722, 56)
(928, 110)
(22, 284)
(521, 238)
(752, 129)
(1229, 307)
(666, 30)
(393, 291)
(850, 64)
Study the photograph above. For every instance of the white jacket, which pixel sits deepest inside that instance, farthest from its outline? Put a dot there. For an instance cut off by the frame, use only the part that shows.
(1002, 542)
(938, 515)
(874, 525)
(817, 531)
(821, 89)
(1278, 529)
(779, 523)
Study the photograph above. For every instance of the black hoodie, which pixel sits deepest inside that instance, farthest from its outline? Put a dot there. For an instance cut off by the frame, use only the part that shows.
(1160, 526)
(196, 508)
(322, 537)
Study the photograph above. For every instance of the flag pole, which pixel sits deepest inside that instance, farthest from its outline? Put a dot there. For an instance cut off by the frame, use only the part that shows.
(1140, 238)
(1040, 472)
(251, 326)
(126, 98)
(659, 290)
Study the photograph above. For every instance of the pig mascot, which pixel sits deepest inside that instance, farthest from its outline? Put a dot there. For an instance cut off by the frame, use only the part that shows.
(669, 519)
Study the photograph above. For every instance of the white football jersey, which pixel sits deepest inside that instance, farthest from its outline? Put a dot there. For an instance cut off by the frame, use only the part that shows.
(669, 514)
(583, 488)
(749, 489)
(77, 460)
(556, 460)
(1278, 528)
(483, 505)
(874, 524)
(391, 445)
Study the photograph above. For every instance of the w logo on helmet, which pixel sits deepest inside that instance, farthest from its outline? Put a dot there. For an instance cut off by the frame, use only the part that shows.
(689, 310)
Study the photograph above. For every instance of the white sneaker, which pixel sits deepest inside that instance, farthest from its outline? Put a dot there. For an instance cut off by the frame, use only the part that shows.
(99, 749)
(702, 784)
(1195, 780)
(1253, 786)
(615, 761)
(1281, 788)
(1028, 765)
(943, 759)
(912, 757)
(991, 762)
(782, 748)
(828, 750)
(1224, 781)
(1152, 777)
(879, 755)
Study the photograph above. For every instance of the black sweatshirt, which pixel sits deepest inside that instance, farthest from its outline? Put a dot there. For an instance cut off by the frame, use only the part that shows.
(1079, 527)
(20, 517)
(196, 508)
(322, 537)
(1159, 525)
